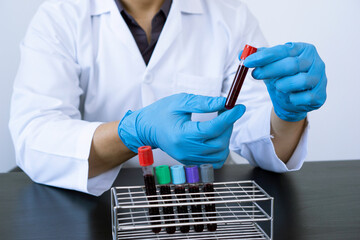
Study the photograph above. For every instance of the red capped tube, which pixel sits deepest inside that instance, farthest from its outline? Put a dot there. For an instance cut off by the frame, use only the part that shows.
(146, 160)
(239, 77)
(145, 156)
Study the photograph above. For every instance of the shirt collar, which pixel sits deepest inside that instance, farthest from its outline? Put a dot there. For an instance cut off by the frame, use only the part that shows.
(165, 7)
(99, 7)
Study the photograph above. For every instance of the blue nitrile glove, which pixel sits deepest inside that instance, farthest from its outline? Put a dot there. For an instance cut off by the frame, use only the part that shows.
(295, 78)
(166, 124)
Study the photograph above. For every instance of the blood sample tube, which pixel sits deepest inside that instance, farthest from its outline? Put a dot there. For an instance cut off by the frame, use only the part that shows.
(178, 178)
(164, 179)
(239, 77)
(207, 177)
(146, 161)
(192, 177)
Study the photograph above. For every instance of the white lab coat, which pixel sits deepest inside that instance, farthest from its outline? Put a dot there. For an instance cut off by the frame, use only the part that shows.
(80, 67)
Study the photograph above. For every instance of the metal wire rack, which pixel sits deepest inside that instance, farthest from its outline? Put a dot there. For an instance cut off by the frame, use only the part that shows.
(242, 207)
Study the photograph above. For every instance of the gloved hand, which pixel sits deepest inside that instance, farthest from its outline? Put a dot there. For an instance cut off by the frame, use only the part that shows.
(166, 124)
(295, 78)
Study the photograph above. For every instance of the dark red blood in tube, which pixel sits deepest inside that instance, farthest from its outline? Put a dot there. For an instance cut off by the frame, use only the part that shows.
(182, 209)
(151, 190)
(236, 87)
(239, 77)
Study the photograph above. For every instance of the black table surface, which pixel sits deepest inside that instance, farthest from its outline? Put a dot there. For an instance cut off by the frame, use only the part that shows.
(321, 201)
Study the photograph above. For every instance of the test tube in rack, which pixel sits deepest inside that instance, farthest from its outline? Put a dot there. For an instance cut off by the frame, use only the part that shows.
(178, 177)
(164, 179)
(192, 177)
(146, 161)
(207, 177)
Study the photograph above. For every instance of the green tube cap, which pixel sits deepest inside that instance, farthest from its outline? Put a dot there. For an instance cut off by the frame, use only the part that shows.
(163, 174)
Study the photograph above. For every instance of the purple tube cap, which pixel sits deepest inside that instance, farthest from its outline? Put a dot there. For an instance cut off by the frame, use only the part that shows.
(192, 174)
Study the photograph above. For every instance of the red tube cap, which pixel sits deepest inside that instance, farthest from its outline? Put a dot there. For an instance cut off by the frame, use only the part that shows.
(248, 50)
(145, 156)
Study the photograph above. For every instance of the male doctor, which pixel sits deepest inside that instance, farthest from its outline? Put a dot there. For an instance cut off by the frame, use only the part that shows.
(99, 78)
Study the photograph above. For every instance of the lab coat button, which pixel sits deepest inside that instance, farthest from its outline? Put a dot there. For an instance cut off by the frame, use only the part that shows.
(148, 78)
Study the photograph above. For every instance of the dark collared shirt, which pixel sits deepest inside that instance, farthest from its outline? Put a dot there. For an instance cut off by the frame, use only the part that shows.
(139, 34)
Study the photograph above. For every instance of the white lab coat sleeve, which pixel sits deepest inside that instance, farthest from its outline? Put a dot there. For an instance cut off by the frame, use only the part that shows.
(52, 142)
(251, 134)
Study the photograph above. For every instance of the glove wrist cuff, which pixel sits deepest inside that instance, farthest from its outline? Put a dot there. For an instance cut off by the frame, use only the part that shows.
(289, 116)
(127, 132)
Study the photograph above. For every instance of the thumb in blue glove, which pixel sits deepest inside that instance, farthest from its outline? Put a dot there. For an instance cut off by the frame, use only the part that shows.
(166, 124)
(295, 78)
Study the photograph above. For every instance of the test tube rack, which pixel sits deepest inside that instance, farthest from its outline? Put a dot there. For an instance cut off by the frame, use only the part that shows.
(243, 210)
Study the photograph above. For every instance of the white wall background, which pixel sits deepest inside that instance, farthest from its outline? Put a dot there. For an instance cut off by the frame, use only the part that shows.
(332, 26)
(14, 19)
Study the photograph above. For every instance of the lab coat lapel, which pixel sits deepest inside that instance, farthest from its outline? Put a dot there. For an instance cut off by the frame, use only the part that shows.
(172, 27)
(167, 39)
(168, 35)
(124, 35)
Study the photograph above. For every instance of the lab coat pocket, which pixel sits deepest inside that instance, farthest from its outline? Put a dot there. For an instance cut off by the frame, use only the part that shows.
(206, 86)
(199, 85)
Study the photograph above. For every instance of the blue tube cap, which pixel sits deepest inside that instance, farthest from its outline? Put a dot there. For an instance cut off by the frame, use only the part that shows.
(178, 174)
(192, 174)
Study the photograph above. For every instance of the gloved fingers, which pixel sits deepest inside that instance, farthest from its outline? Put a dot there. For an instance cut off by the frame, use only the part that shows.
(265, 56)
(213, 145)
(220, 157)
(295, 95)
(275, 94)
(203, 160)
(199, 104)
(281, 100)
(216, 126)
(195, 159)
(297, 83)
(317, 68)
(217, 159)
(288, 66)
(284, 106)
(218, 165)
(311, 99)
